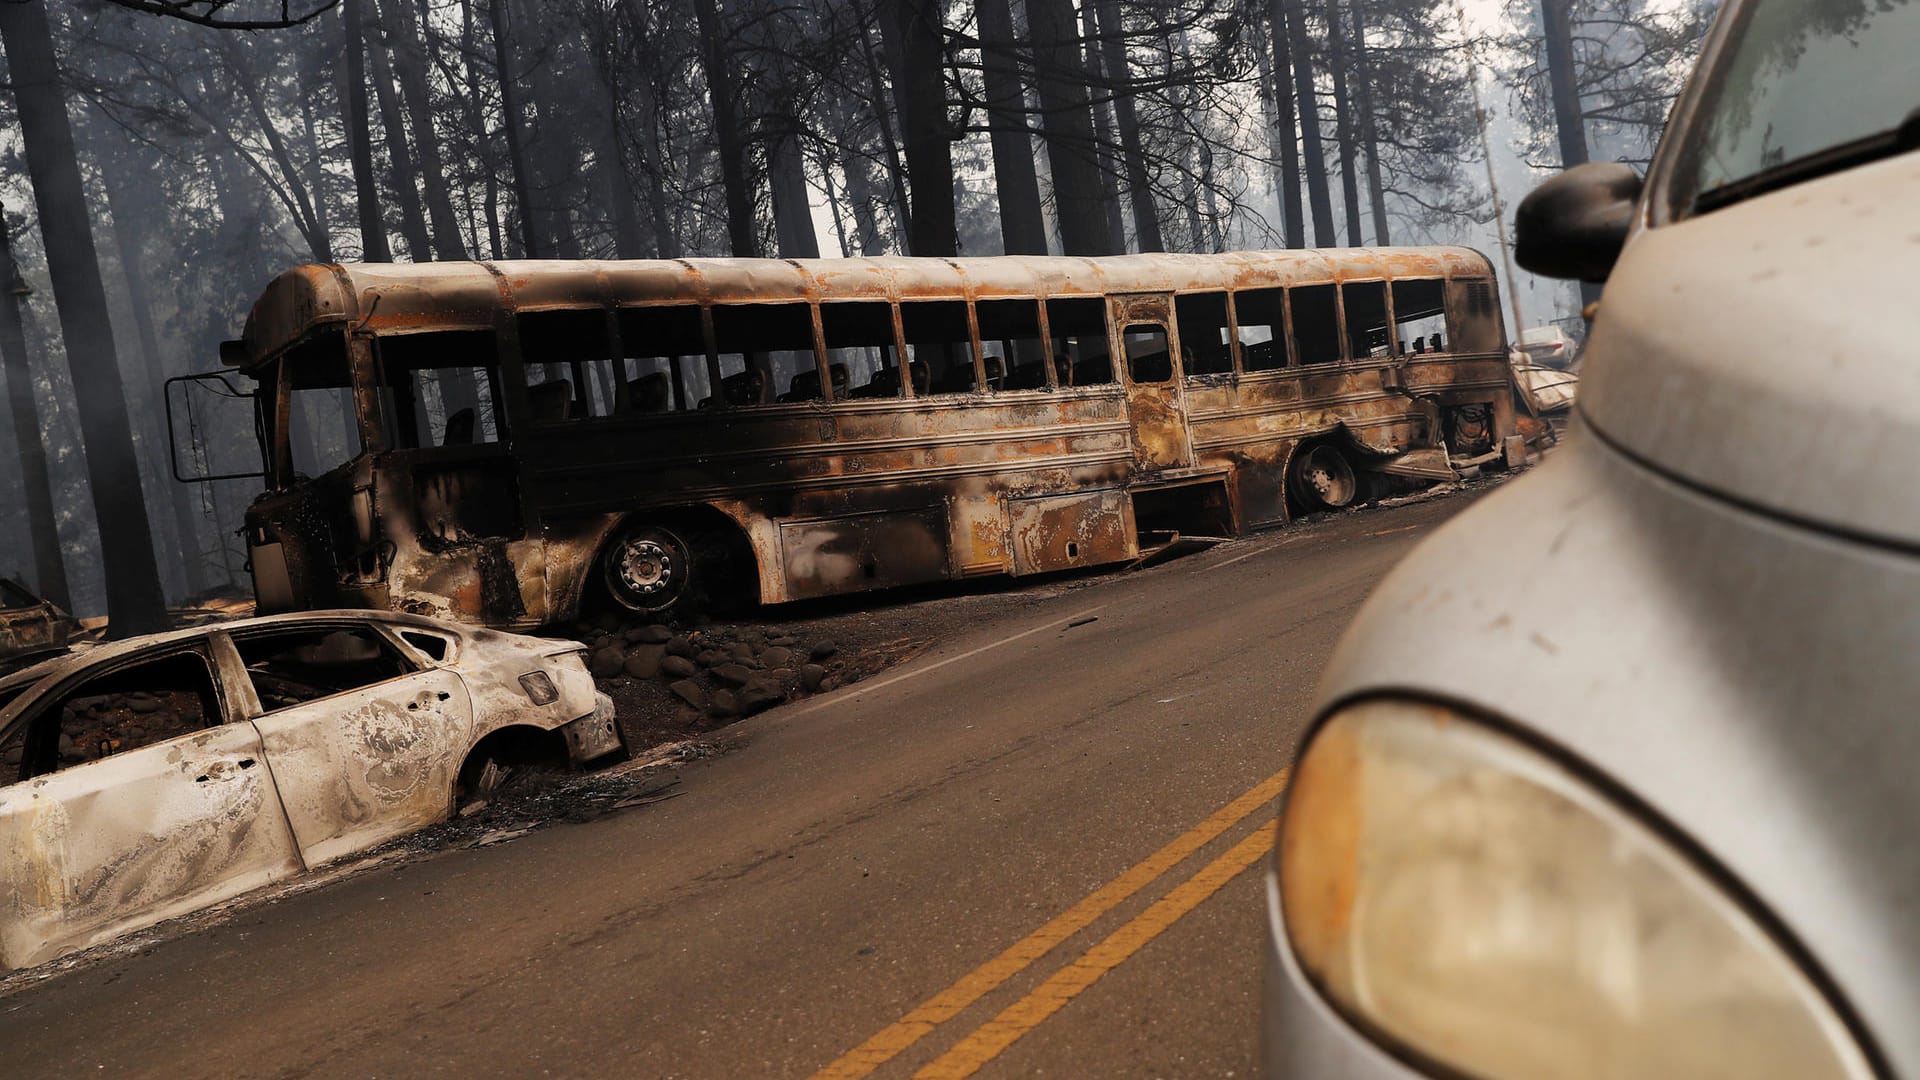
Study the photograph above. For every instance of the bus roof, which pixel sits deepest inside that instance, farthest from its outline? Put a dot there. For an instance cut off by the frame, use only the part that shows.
(401, 298)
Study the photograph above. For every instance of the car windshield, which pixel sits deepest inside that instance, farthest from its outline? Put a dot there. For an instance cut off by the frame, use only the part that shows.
(1805, 87)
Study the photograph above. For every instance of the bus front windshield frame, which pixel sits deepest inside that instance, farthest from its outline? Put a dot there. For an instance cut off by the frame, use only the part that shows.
(310, 424)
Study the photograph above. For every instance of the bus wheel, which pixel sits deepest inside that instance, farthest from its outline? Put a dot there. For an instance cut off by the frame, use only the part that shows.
(648, 569)
(1322, 478)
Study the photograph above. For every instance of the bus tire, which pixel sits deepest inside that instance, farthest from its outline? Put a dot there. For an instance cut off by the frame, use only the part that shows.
(1321, 478)
(649, 569)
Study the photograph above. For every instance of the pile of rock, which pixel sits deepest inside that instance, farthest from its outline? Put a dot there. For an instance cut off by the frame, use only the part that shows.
(722, 671)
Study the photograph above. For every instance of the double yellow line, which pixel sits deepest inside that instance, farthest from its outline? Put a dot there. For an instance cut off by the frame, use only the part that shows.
(979, 1047)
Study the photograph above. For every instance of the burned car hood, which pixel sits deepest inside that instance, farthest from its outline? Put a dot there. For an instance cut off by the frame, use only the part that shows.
(1762, 353)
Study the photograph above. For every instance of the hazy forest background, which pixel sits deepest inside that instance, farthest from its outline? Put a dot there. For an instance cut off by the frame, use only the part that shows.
(215, 142)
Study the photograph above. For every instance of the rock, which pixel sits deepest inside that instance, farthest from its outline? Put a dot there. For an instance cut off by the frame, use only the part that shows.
(776, 657)
(710, 658)
(829, 683)
(724, 705)
(67, 745)
(823, 649)
(812, 677)
(632, 634)
(759, 695)
(645, 660)
(741, 651)
(679, 645)
(609, 641)
(143, 703)
(690, 692)
(785, 678)
(733, 674)
(678, 667)
(606, 663)
(785, 641)
(651, 634)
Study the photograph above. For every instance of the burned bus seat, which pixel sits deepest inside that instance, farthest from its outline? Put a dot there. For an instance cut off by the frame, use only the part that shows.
(459, 429)
(804, 387)
(650, 393)
(550, 401)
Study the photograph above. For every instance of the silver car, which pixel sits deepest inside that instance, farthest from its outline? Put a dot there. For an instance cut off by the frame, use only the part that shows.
(155, 776)
(1618, 774)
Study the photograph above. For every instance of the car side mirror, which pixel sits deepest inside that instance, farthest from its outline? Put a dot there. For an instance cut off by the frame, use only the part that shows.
(1574, 225)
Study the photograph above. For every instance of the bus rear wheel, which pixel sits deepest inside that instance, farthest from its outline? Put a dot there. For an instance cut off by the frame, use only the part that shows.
(1322, 478)
(649, 569)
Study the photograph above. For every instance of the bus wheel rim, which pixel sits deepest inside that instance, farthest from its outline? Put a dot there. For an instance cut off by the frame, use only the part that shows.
(647, 568)
(1329, 477)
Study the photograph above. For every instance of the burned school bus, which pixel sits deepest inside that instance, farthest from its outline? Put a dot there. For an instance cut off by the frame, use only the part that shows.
(528, 438)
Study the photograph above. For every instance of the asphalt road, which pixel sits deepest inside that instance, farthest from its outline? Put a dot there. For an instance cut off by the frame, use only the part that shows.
(1031, 851)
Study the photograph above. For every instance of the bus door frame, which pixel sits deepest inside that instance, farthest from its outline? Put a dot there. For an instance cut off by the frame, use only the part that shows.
(1156, 412)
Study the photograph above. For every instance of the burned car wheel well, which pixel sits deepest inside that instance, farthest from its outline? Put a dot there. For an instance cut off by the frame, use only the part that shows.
(513, 746)
(724, 572)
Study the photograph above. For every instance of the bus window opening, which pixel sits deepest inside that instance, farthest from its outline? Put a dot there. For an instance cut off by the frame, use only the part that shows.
(1366, 303)
(939, 347)
(1203, 333)
(1263, 328)
(1316, 323)
(1420, 316)
(1010, 344)
(860, 343)
(1079, 329)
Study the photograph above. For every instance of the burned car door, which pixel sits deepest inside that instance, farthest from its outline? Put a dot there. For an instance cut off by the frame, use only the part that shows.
(364, 743)
(142, 794)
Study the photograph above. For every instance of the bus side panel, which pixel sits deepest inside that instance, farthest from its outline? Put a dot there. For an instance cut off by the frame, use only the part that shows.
(864, 551)
(1058, 532)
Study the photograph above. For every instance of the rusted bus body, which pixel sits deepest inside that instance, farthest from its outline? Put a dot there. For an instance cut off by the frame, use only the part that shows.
(627, 410)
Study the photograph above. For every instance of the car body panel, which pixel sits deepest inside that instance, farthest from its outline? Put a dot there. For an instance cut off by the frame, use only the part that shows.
(371, 764)
(1814, 417)
(1748, 680)
(92, 851)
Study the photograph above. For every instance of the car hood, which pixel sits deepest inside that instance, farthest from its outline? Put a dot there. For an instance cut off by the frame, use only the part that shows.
(1762, 352)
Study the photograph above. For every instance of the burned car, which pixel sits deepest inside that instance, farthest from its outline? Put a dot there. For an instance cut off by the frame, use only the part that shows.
(31, 628)
(153, 777)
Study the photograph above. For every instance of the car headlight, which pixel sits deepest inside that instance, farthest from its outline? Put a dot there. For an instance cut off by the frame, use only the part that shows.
(1487, 910)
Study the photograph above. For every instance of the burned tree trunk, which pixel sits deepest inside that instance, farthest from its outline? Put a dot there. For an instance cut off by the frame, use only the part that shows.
(1023, 228)
(1067, 120)
(134, 601)
(666, 240)
(1113, 46)
(913, 33)
(1286, 178)
(1369, 124)
(373, 229)
(743, 232)
(404, 38)
(50, 570)
(406, 193)
(1569, 119)
(883, 115)
(792, 210)
(515, 126)
(126, 235)
(1313, 157)
(1103, 139)
(1343, 123)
